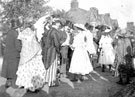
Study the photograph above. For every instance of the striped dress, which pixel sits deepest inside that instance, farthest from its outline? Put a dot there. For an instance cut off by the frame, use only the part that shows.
(50, 52)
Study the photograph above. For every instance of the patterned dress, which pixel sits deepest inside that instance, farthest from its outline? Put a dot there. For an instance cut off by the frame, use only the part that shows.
(31, 72)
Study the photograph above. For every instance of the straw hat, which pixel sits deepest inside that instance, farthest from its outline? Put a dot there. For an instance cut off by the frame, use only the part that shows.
(108, 29)
(101, 27)
(80, 26)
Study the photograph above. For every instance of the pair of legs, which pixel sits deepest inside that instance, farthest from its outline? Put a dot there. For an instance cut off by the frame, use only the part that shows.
(64, 61)
(79, 77)
(103, 67)
(11, 83)
(9, 69)
(64, 66)
(11, 88)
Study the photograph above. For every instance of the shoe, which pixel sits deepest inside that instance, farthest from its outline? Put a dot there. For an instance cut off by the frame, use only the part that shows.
(79, 81)
(66, 80)
(2, 81)
(19, 93)
(63, 75)
(8, 83)
(10, 91)
(103, 68)
(85, 78)
(46, 88)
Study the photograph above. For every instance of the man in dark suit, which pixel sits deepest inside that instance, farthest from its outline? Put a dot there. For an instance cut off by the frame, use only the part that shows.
(11, 55)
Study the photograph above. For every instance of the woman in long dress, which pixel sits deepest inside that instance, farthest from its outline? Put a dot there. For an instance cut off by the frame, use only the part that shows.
(80, 62)
(107, 53)
(51, 53)
(31, 72)
(121, 50)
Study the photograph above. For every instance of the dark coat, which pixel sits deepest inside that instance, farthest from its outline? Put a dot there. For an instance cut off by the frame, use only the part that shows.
(11, 55)
(62, 37)
(50, 47)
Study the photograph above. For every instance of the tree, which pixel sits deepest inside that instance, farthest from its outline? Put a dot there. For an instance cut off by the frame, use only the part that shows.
(23, 8)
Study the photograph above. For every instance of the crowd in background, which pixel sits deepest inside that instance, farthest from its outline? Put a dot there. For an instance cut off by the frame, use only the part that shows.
(41, 54)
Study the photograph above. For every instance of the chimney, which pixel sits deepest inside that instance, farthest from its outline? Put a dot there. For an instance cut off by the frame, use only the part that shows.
(107, 19)
(74, 4)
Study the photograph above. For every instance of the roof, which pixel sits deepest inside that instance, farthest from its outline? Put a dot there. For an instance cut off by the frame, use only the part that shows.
(78, 15)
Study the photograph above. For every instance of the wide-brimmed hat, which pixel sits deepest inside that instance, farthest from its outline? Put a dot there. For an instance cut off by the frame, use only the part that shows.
(88, 26)
(122, 33)
(57, 21)
(101, 27)
(69, 24)
(104, 28)
(108, 29)
(80, 26)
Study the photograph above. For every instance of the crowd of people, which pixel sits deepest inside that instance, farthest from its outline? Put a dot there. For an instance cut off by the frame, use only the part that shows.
(42, 54)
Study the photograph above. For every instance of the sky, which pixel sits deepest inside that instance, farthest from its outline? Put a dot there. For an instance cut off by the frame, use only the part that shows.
(122, 10)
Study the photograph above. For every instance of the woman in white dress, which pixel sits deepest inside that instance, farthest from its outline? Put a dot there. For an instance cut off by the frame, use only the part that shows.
(107, 53)
(31, 72)
(80, 62)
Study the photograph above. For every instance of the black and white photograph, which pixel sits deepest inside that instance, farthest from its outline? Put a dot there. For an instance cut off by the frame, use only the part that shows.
(67, 48)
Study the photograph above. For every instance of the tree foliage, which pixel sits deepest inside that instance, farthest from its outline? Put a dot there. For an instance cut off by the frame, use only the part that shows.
(23, 8)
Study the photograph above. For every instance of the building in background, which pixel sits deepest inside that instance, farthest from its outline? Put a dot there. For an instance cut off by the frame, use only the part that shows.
(77, 14)
(92, 16)
(130, 28)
